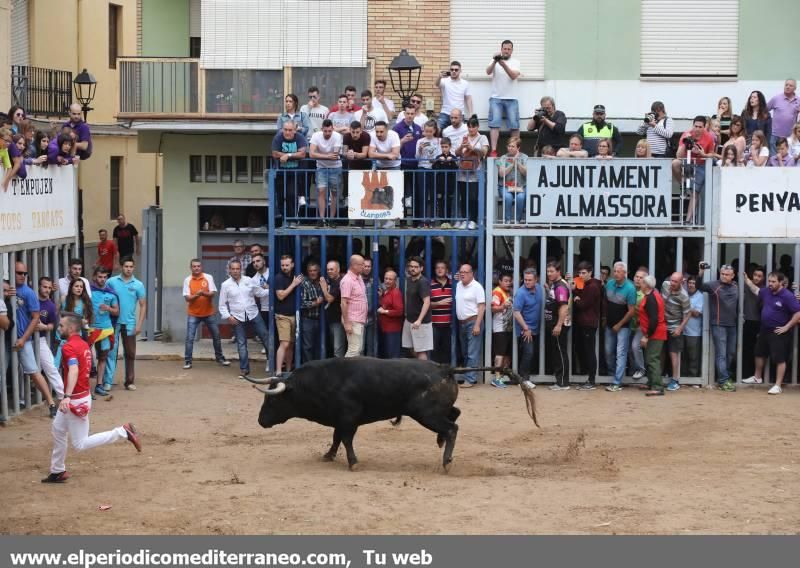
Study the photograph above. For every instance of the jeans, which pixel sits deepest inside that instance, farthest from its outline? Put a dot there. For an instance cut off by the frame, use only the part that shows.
(617, 352)
(514, 206)
(509, 107)
(470, 347)
(391, 345)
(528, 357)
(369, 340)
(443, 120)
(338, 337)
(636, 355)
(724, 338)
(192, 323)
(241, 339)
(442, 344)
(309, 333)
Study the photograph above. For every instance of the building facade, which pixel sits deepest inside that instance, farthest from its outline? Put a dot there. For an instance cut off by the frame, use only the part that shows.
(211, 76)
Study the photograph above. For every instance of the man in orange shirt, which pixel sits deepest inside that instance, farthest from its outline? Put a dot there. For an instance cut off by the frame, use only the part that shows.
(107, 253)
(199, 291)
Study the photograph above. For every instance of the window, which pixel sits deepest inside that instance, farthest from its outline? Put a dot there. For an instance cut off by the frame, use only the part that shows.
(256, 169)
(331, 82)
(479, 36)
(194, 47)
(115, 184)
(715, 21)
(244, 91)
(226, 169)
(195, 169)
(114, 29)
(211, 169)
(242, 173)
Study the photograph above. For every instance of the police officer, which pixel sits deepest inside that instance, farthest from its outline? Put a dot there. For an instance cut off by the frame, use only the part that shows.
(598, 128)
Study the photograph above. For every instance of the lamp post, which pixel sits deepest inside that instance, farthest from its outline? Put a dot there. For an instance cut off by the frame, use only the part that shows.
(85, 85)
(404, 72)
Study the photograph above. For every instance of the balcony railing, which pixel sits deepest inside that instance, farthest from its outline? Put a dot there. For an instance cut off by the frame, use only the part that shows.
(179, 88)
(41, 91)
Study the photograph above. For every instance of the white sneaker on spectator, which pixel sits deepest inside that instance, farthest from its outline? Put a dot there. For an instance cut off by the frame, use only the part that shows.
(408, 202)
(263, 351)
(472, 225)
(752, 380)
(775, 390)
(638, 374)
(301, 201)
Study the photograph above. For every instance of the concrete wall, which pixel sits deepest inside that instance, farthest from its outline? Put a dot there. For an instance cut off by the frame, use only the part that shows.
(165, 28)
(763, 25)
(5, 54)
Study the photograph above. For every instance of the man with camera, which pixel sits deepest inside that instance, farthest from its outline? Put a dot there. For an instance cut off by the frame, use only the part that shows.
(505, 72)
(550, 123)
(455, 94)
(699, 145)
(658, 128)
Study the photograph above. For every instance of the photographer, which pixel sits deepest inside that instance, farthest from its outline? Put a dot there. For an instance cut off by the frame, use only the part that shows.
(658, 128)
(550, 123)
(505, 72)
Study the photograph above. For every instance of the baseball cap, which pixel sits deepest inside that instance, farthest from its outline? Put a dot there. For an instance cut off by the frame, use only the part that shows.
(599, 108)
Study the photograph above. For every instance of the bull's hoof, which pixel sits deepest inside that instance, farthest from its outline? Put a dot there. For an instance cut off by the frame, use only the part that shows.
(447, 466)
(355, 466)
(440, 441)
(328, 457)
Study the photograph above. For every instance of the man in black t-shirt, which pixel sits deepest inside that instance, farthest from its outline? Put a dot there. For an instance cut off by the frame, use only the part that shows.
(333, 311)
(286, 285)
(417, 327)
(126, 237)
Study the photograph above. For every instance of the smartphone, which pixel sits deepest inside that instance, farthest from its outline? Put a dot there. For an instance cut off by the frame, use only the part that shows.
(579, 282)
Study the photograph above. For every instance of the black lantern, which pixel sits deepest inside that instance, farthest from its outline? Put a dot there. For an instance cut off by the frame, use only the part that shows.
(404, 72)
(85, 85)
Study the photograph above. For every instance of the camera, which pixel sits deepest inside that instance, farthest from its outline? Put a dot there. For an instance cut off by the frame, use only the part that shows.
(540, 113)
(704, 265)
(383, 196)
(500, 57)
(649, 117)
(688, 143)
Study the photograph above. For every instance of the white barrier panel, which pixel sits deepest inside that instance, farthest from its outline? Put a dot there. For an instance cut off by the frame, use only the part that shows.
(40, 207)
(617, 192)
(759, 202)
(375, 194)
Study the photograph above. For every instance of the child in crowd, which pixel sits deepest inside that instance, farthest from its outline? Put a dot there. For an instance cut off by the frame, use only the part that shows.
(446, 166)
(428, 148)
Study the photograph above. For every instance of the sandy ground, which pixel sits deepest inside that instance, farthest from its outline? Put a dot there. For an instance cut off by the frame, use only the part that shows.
(695, 461)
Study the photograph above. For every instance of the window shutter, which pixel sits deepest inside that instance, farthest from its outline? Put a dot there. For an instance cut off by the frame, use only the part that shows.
(478, 26)
(20, 49)
(332, 33)
(687, 38)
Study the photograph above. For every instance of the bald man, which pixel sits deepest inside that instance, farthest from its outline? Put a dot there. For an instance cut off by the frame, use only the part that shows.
(83, 145)
(677, 311)
(354, 306)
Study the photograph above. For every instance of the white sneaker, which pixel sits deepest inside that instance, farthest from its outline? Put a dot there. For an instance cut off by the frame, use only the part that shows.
(472, 225)
(263, 351)
(775, 390)
(752, 380)
(638, 374)
(301, 201)
(558, 388)
(408, 202)
(461, 225)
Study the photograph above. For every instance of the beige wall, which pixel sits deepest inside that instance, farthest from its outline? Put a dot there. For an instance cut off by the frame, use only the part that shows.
(5, 54)
(87, 47)
(139, 179)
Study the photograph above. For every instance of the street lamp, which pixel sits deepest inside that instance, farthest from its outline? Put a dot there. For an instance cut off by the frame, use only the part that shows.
(404, 72)
(85, 85)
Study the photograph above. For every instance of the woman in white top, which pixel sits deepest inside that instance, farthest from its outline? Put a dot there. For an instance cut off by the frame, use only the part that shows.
(759, 151)
(473, 149)
(736, 139)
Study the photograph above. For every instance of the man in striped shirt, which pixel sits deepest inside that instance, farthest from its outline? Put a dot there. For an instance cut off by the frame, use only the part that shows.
(659, 129)
(354, 306)
(313, 296)
(441, 313)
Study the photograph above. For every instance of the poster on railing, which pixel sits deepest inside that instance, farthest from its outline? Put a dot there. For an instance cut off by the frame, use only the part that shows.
(587, 191)
(759, 202)
(40, 207)
(375, 194)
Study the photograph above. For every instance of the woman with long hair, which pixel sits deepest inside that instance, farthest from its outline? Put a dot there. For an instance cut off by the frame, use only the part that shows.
(730, 156)
(292, 112)
(643, 149)
(736, 137)
(756, 116)
(794, 142)
(473, 149)
(725, 116)
(16, 116)
(78, 301)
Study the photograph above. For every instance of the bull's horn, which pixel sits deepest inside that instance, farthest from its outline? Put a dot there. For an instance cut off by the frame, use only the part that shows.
(266, 381)
(277, 389)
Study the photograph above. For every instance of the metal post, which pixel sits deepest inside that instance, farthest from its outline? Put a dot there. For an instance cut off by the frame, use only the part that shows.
(376, 282)
(516, 284)
(740, 320)
(795, 363)
(570, 268)
(35, 395)
(770, 267)
(273, 268)
(454, 325)
(3, 379)
(323, 314)
(651, 255)
(543, 280)
(298, 255)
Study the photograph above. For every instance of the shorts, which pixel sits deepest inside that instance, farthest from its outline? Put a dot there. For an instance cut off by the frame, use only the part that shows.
(776, 347)
(675, 344)
(699, 177)
(27, 358)
(496, 111)
(286, 327)
(330, 178)
(501, 344)
(420, 340)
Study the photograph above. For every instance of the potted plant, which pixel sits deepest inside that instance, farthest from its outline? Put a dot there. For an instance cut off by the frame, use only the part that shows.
(224, 101)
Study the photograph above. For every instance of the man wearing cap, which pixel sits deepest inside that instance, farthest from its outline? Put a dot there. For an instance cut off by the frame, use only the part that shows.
(596, 129)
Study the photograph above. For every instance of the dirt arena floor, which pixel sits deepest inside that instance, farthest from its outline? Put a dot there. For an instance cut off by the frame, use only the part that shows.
(696, 461)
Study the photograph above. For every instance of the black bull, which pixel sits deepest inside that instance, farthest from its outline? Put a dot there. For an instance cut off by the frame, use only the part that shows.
(345, 393)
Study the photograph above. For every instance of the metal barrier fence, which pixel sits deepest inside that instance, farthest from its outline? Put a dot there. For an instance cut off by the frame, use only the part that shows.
(51, 259)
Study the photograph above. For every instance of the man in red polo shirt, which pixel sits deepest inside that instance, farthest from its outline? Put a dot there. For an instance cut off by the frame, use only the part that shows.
(73, 411)
(107, 253)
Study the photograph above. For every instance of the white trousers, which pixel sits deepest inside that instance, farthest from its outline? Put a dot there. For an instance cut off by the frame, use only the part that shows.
(49, 368)
(355, 340)
(78, 429)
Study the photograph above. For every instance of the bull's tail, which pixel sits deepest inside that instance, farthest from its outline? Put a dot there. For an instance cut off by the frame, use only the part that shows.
(525, 385)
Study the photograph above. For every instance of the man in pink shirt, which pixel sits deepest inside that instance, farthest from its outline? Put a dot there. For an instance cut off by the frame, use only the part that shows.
(354, 306)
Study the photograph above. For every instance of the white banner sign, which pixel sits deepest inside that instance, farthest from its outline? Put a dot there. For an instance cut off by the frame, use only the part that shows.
(40, 207)
(759, 202)
(616, 192)
(375, 194)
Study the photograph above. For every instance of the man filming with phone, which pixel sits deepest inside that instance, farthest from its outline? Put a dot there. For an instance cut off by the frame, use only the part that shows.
(550, 123)
(455, 94)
